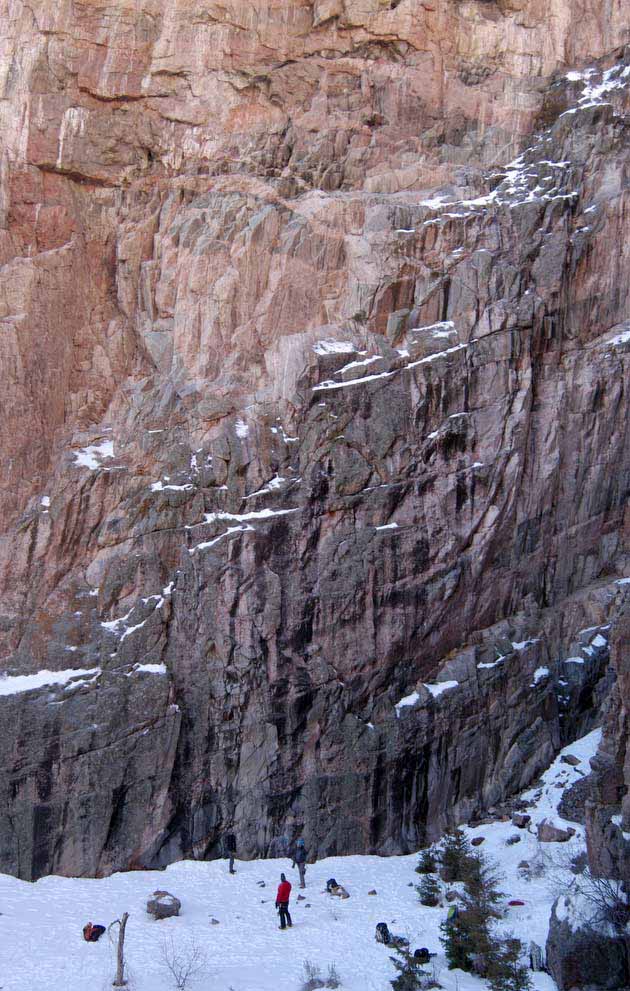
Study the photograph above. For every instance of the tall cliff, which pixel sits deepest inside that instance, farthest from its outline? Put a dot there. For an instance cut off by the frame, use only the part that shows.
(315, 332)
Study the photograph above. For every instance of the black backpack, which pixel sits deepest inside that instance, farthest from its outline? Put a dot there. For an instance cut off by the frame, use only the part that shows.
(382, 933)
(330, 884)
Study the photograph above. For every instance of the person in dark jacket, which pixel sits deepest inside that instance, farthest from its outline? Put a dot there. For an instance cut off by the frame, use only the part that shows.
(282, 902)
(230, 849)
(299, 861)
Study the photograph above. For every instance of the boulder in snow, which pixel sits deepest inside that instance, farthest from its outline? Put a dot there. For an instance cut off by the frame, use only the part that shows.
(163, 905)
(548, 833)
(521, 820)
(569, 759)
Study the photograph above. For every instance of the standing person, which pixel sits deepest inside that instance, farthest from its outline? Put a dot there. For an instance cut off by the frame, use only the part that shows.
(230, 849)
(299, 860)
(282, 902)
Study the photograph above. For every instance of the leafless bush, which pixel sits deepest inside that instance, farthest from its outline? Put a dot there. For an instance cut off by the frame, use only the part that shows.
(313, 977)
(604, 902)
(333, 979)
(436, 970)
(608, 903)
(558, 866)
(182, 961)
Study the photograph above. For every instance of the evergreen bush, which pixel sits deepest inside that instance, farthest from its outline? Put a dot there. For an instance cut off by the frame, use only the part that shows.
(427, 863)
(429, 891)
(455, 857)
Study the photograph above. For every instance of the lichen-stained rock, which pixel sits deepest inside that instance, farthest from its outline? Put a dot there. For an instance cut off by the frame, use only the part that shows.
(313, 350)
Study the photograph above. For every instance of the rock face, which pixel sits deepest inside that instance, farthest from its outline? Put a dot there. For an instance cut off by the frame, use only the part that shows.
(607, 807)
(579, 957)
(315, 342)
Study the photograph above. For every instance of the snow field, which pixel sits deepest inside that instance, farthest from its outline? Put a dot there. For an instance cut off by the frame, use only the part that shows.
(42, 949)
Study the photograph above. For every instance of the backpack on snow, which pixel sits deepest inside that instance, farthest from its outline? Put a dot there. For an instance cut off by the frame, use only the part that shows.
(382, 933)
(330, 884)
(92, 933)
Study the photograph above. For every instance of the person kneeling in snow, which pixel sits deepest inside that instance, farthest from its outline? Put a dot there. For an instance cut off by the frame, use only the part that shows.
(282, 902)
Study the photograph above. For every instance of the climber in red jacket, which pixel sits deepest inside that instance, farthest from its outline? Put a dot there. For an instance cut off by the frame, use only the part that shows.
(282, 902)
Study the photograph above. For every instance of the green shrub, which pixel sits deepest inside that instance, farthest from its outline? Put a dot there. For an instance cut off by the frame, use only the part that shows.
(455, 857)
(427, 863)
(429, 891)
(410, 971)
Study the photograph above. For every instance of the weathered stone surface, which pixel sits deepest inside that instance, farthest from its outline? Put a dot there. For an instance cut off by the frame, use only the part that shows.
(163, 905)
(607, 808)
(548, 833)
(572, 805)
(577, 957)
(521, 819)
(310, 400)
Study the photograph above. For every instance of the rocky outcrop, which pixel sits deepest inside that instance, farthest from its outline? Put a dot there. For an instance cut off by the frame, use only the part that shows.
(581, 956)
(608, 831)
(315, 344)
(572, 805)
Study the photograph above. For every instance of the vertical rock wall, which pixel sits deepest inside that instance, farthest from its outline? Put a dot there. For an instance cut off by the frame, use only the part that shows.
(314, 343)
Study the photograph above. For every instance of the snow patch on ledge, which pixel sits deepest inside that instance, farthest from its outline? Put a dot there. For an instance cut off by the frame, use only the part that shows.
(16, 684)
(406, 701)
(327, 386)
(147, 669)
(92, 456)
(260, 514)
(334, 347)
(525, 643)
(161, 487)
(441, 687)
(539, 675)
(210, 543)
(487, 665)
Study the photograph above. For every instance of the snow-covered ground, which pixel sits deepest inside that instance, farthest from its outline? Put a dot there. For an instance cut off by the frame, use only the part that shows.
(42, 949)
